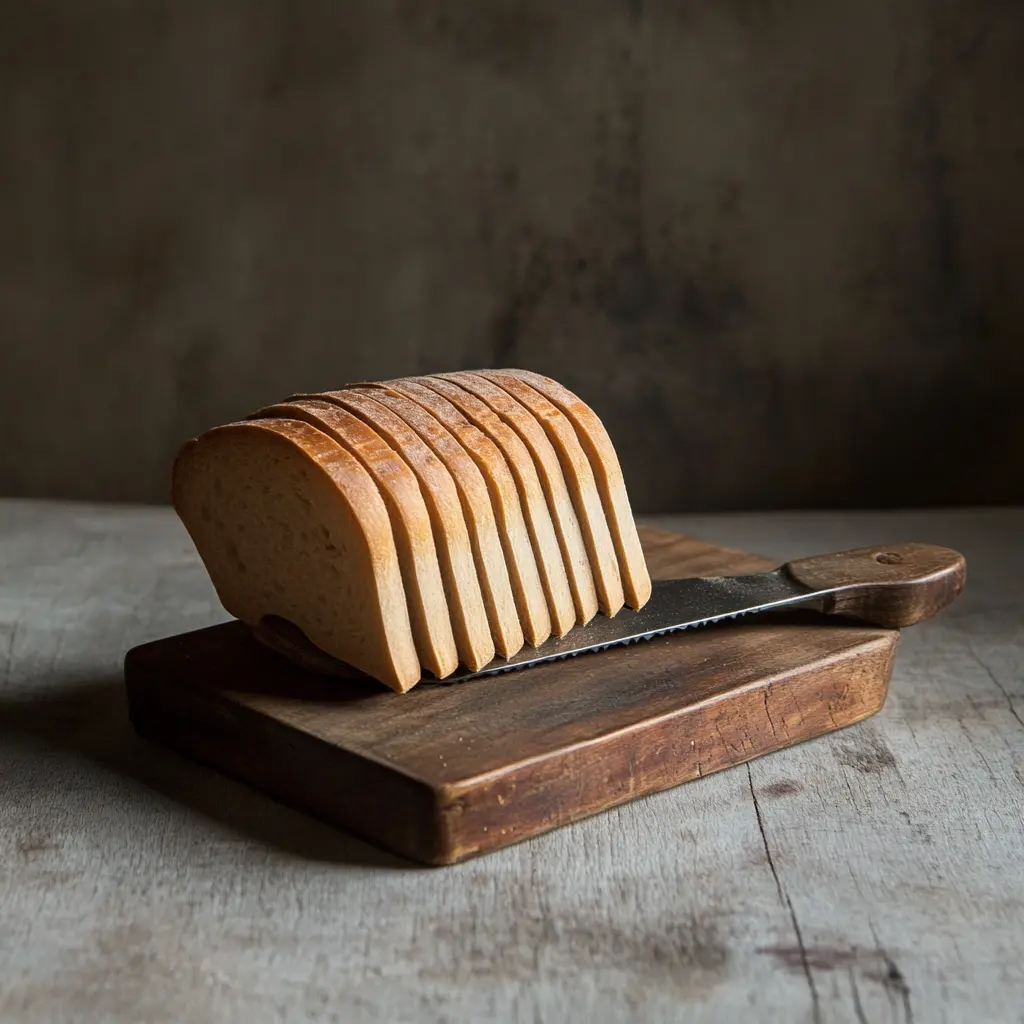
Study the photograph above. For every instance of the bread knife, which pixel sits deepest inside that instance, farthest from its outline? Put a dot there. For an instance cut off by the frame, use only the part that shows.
(890, 587)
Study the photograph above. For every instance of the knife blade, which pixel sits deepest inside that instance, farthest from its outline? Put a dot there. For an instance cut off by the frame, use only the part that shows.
(892, 587)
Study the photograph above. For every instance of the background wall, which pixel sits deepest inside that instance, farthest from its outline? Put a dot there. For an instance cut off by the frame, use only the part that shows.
(778, 245)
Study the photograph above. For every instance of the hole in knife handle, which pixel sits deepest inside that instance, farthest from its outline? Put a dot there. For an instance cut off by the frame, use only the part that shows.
(894, 587)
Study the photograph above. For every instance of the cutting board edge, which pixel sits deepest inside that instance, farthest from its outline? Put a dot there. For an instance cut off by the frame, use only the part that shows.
(466, 830)
(189, 723)
(888, 639)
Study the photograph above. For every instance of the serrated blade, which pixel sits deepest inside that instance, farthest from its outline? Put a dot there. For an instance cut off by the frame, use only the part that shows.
(674, 605)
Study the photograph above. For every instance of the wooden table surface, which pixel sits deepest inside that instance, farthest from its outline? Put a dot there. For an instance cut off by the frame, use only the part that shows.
(876, 875)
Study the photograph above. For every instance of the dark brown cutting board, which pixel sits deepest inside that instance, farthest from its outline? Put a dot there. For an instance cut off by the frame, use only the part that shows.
(443, 773)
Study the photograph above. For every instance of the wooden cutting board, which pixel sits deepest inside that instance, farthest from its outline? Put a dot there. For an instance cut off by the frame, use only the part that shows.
(443, 773)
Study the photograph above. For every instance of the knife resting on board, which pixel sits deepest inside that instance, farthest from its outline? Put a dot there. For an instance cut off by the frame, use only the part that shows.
(893, 587)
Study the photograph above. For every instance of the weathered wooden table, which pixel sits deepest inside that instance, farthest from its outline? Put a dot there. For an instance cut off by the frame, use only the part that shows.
(876, 875)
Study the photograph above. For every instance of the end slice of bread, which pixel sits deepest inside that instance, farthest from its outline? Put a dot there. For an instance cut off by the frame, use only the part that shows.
(290, 524)
(410, 524)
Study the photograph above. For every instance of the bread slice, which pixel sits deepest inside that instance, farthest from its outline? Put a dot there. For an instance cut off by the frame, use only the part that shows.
(410, 524)
(563, 515)
(515, 539)
(582, 487)
(636, 579)
(290, 524)
(506, 629)
(451, 537)
(531, 495)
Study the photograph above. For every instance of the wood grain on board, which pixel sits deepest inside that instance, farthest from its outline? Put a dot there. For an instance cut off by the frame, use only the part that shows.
(448, 772)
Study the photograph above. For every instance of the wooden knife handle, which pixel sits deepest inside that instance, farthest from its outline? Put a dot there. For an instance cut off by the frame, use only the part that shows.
(889, 586)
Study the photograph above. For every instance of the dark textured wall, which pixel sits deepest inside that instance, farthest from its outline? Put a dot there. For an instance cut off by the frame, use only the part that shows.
(778, 245)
